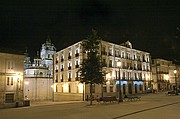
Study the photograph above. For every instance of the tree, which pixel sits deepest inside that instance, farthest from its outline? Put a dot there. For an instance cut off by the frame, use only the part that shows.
(91, 67)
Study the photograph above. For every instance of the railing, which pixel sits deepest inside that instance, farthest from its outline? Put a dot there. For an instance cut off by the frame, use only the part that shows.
(103, 53)
(69, 79)
(69, 57)
(77, 54)
(62, 80)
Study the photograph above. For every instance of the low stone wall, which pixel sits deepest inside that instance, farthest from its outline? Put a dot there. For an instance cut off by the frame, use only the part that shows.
(12, 105)
(67, 97)
(7, 105)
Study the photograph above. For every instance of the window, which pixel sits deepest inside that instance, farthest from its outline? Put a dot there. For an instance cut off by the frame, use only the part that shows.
(62, 58)
(135, 66)
(76, 52)
(56, 78)
(8, 80)
(135, 76)
(10, 65)
(62, 78)
(123, 55)
(69, 76)
(9, 98)
(77, 76)
(69, 55)
(62, 67)
(69, 65)
(124, 75)
(110, 63)
(76, 64)
(116, 53)
(110, 52)
(128, 55)
(11, 81)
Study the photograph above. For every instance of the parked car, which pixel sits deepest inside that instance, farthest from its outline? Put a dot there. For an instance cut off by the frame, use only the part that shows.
(170, 93)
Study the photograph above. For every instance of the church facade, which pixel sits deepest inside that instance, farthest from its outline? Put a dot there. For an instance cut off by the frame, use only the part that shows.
(38, 76)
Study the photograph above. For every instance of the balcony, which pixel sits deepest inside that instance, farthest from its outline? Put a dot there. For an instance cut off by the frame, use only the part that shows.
(62, 80)
(69, 68)
(69, 79)
(77, 54)
(103, 53)
(110, 65)
(110, 54)
(69, 57)
(77, 66)
(117, 55)
(124, 67)
(144, 60)
(62, 69)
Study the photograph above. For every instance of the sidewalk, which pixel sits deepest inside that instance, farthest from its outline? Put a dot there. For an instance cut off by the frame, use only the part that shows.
(46, 103)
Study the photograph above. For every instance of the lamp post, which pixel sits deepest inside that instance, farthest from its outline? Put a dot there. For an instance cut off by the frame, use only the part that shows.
(175, 71)
(120, 95)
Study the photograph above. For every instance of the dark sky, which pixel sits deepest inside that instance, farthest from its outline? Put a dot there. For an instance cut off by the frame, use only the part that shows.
(151, 25)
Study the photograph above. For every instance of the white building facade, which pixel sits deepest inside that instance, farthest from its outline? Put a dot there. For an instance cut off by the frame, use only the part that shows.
(38, 78)
(135, 71)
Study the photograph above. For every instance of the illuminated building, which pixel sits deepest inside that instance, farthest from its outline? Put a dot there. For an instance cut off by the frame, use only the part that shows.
(135, 71)
(11, 79)
(38, 77)
(163, 74)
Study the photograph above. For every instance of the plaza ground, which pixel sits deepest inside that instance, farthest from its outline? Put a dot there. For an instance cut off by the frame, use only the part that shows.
(151, 106)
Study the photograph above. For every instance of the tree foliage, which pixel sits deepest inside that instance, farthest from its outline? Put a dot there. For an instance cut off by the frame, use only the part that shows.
(91, 68)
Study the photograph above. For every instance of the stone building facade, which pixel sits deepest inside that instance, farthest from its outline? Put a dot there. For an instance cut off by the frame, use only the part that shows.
(11, 79)
(163, 74)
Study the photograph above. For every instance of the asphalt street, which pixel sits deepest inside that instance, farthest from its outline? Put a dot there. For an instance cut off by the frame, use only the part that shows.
(151, 106)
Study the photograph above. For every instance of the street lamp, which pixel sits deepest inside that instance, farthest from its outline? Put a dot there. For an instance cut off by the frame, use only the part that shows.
(175, 71)
(120, 95)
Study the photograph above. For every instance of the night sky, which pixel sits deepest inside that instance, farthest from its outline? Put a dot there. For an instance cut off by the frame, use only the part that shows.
(151, 25)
